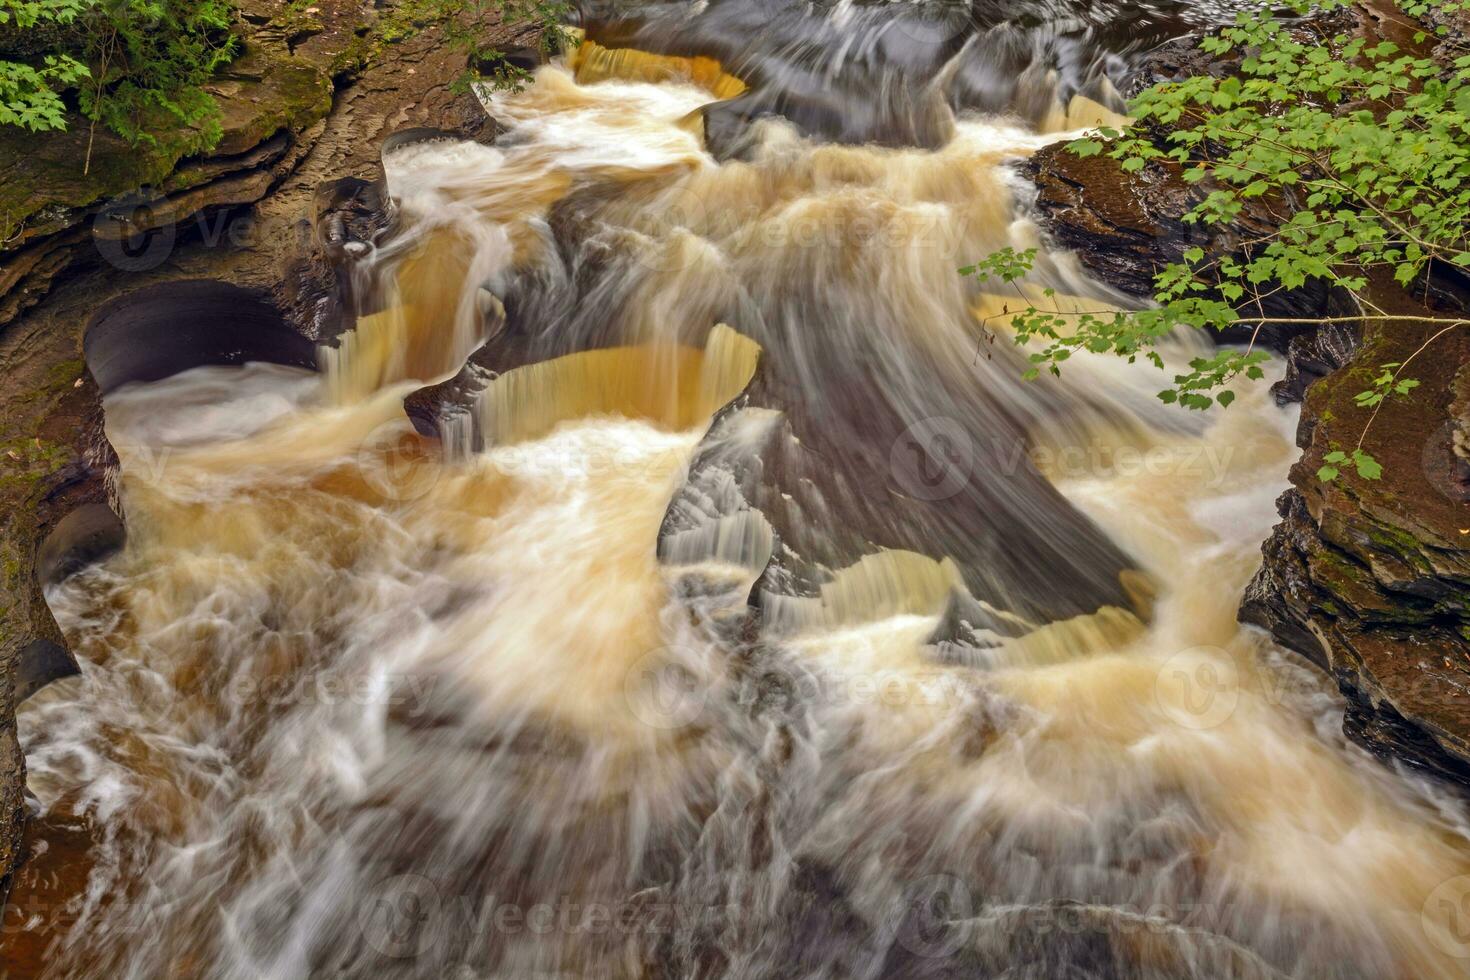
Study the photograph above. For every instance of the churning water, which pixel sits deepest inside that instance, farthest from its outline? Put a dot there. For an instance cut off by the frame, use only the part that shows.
(750, 617)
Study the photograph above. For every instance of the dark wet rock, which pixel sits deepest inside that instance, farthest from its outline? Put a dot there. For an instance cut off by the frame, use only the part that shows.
(892, 74)
(1312, 356)
(837, 480)
(40, 663)
(1371, 579)
(839, 471)
(85, 536)
(159, 331)
(1125, 228)
(350, 215)
(1181, 57)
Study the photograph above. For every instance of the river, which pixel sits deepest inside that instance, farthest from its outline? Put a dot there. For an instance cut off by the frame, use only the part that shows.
(750, 616)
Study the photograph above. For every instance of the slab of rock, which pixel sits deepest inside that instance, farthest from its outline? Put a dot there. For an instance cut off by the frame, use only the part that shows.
(1371, 579)
(303, 107)
(1125, 228)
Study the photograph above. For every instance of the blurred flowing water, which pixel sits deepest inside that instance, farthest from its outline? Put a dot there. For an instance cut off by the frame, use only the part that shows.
(604, 681)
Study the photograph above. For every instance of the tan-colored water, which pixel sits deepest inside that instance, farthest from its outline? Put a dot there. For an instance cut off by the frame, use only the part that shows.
(359, 703)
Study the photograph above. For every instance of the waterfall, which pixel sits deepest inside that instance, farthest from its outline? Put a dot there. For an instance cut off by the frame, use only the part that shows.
(752, 617)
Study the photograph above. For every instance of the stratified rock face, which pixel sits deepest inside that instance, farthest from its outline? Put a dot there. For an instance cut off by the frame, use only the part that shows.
(301, 107)
(1371, 579)
(1125, 228)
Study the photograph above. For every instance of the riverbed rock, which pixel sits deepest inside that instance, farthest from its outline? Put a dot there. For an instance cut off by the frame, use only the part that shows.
(1367, 579)
(306, 104)
(1370, 579)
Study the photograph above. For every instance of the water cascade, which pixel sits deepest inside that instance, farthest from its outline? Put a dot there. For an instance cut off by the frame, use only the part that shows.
(743, 613)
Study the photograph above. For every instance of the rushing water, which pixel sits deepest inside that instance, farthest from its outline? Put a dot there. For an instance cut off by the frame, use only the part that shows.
(589, 687)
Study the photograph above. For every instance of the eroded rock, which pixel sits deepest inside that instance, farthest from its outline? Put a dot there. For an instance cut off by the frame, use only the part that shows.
(330, 108)
(1371, 579)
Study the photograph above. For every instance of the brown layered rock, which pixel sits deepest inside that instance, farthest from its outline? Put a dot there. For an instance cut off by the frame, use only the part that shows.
(308, 104)
(1125, 228)
(85, 188)
(1371, 579)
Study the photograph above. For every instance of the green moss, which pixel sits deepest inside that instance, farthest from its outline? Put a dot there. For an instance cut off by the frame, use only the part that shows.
(1401, 545)
(24, 463)
(65, 374)
(42, 183)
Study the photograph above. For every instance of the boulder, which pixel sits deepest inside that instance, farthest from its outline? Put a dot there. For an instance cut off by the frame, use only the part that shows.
(1370, 579)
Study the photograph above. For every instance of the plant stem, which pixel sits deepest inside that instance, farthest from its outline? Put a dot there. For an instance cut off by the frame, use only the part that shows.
(1437, 334)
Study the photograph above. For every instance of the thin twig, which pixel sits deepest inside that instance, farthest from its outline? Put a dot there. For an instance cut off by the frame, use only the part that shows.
(1437, 334)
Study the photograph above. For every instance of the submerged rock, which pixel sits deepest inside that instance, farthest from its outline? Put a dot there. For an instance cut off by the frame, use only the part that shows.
(893, 74)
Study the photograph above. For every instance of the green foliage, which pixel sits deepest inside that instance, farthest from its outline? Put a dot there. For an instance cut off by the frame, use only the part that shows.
(1361, 152)
(1366, 466)
(153, 58)
(28, 92)
(137, 66)
(140, 67)
(460, 22)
